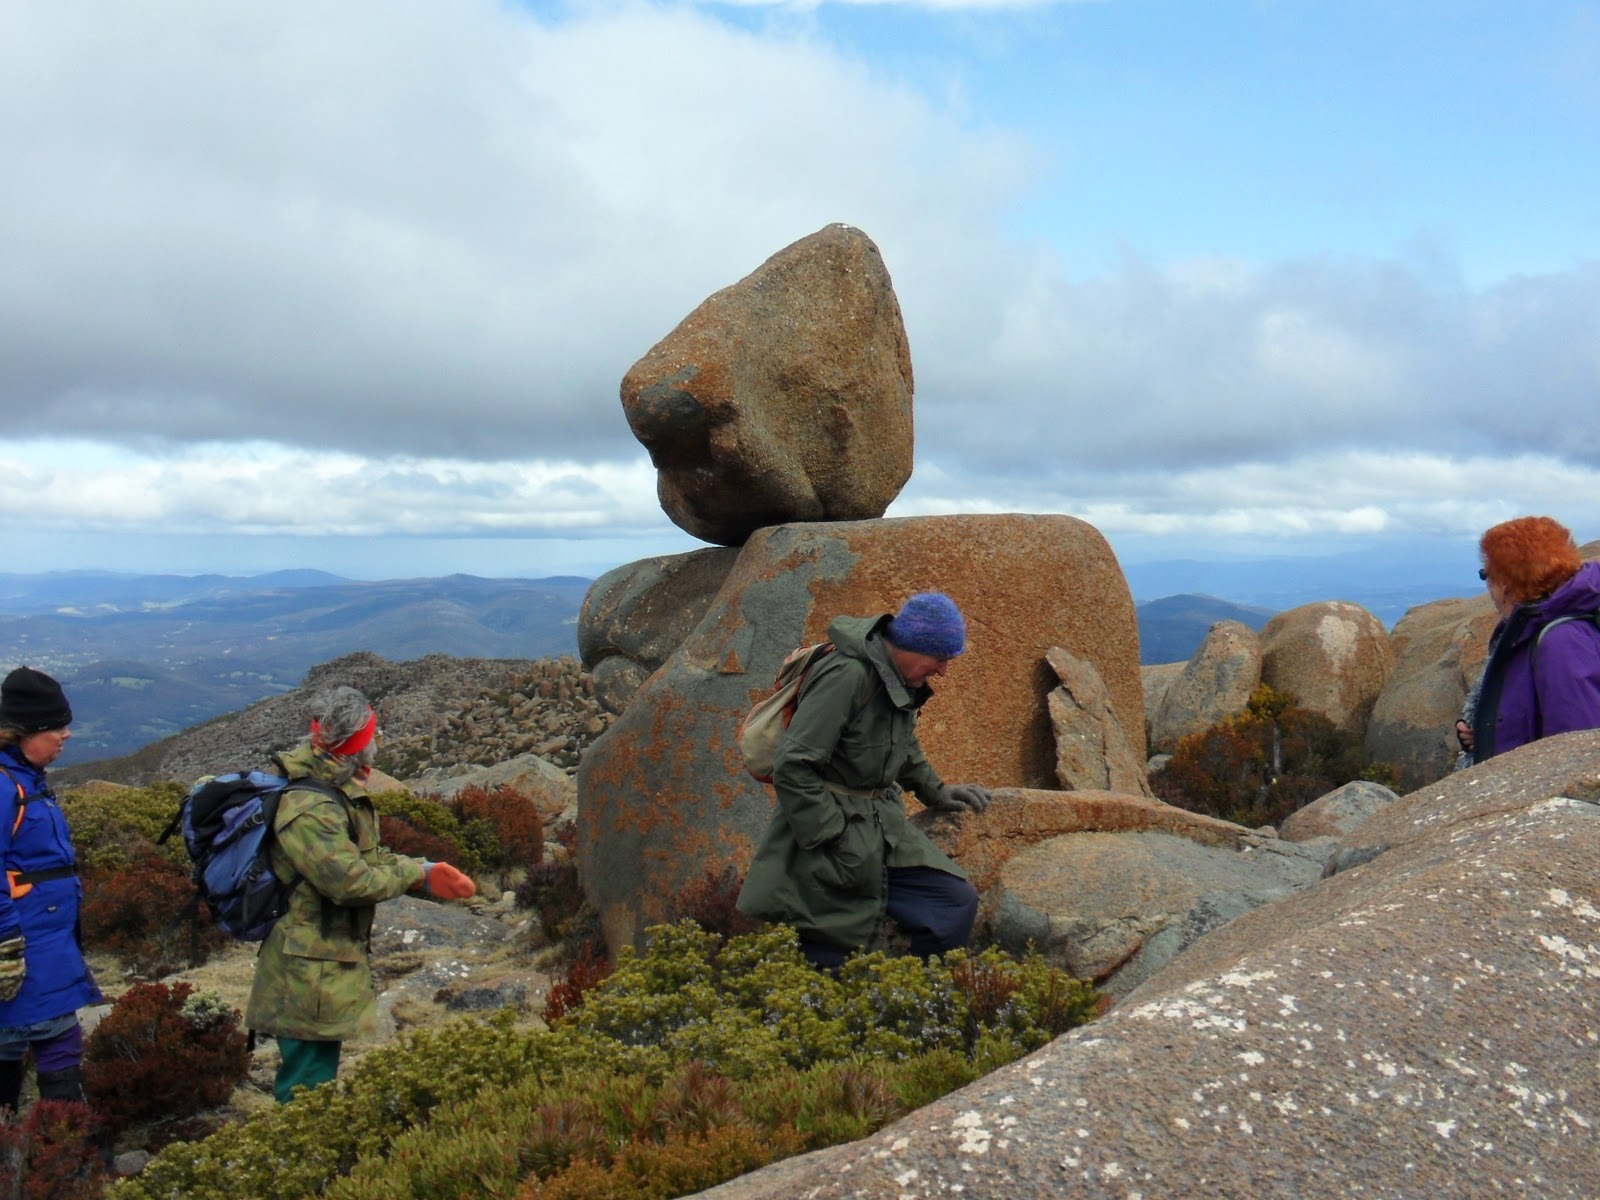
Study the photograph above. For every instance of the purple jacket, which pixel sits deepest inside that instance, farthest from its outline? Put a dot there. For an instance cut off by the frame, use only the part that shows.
(1521, 701)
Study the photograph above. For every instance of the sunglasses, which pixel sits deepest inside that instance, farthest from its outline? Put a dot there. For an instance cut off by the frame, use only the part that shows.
(1483, 574)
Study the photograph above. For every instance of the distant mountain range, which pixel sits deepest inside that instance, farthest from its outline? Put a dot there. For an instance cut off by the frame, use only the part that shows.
(1171, 628)
(1386, 581)
(143, 657)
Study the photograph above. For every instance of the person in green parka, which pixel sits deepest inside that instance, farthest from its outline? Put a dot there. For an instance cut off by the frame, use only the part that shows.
(839, 855)
(313, 983)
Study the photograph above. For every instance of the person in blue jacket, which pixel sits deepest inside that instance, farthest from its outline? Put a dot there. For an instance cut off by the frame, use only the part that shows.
(43, 978)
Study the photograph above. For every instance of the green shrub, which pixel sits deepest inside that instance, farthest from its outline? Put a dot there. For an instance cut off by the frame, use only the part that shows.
(112, 826)
(736, 1051)
(424, 827)
(511, 820)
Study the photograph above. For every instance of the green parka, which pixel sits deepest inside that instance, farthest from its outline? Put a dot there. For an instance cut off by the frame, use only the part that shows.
(840, 770)
(314, 977)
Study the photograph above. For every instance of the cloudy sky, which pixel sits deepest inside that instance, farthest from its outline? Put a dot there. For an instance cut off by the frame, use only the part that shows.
(352, 284)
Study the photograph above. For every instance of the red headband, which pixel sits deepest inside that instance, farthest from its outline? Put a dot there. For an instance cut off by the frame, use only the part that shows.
(355, 743)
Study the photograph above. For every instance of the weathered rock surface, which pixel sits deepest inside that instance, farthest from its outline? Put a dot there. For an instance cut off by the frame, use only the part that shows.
(1334, 656)
(785, 397)
(636, 615)
(1423, 1025)
(1023, 817)
(1116, 907)
(1213, 685)
(1156, 678)
(1337, 813)
(1439, 650)
(663, 796)
(1092, 750)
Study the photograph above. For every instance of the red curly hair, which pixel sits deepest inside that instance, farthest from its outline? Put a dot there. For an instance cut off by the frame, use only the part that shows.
(1529, 557)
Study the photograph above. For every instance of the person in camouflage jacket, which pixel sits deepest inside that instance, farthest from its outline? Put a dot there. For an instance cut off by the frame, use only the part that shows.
(313, 984)
(839, 855)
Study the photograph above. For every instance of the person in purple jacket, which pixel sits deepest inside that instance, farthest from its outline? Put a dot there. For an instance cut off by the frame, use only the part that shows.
(43, 978)
(1543, 672)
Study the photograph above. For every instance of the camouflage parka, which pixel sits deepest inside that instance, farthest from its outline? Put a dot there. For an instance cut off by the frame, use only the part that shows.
(314, 977)
(840, 821)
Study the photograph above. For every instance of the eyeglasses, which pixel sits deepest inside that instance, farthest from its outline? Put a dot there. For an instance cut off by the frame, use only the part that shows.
(1483, 574)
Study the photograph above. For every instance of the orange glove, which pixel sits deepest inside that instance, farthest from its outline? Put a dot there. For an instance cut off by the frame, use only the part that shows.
(447, 883)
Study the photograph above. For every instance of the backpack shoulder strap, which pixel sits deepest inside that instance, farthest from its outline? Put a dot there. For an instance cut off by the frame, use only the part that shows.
(22, 799)
(1592, 618)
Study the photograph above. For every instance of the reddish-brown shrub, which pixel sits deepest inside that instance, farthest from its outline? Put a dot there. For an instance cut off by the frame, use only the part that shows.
(144, 913)
(554, 890)
(1261, 765)
(710, 902)
(50, 1154)
(514, 818)
(406, 839)
(583, 972)
(163, 1052)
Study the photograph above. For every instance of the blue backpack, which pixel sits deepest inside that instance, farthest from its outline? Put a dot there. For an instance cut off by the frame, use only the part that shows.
(227, 824)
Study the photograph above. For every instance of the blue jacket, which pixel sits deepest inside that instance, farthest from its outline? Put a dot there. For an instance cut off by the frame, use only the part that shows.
(45, 913)
(1520, 702)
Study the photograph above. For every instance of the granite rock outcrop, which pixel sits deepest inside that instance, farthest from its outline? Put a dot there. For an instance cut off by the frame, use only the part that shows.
(785, 397)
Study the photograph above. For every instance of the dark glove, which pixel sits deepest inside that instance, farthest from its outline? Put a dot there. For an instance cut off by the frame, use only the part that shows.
(13, 967)
(962, 797)
(447, 883)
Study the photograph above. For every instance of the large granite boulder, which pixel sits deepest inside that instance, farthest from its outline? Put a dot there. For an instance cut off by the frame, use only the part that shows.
(663, 795)
(1213, 685)
(1092, 750)
(785, 397)
(636, 615)
(1338, 813)
(1420, 1026)
(1439, 651)
(1334, 656)
(1116, 907)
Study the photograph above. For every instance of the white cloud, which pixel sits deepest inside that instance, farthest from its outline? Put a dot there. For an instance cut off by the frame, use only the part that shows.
(1327, 494)
(262, 489)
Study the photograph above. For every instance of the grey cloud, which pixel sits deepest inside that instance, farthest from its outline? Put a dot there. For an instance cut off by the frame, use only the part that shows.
(1178, 369)
(446, 229)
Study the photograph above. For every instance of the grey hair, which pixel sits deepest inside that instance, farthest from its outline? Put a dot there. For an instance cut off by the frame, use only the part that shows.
(339, 712)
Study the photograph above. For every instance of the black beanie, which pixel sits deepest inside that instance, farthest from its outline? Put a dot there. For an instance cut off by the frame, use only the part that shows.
(31, 701)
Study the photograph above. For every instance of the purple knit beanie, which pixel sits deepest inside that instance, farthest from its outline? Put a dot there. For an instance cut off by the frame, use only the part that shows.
(929, 623)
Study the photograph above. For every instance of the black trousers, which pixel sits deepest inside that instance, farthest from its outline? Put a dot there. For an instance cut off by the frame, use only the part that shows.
(935, 909)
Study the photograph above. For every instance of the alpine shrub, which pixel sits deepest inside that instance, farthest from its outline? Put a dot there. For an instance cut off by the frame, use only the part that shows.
(1263, 764)
(111, 826)
(514, 819)
(583, 972)
(711, 902)
(553, 889)
(50, 1154)
(163, 1052)
(141, 912)
(696, 1060)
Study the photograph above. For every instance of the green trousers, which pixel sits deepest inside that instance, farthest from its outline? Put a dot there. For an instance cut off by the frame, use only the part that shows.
(305, 1065)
